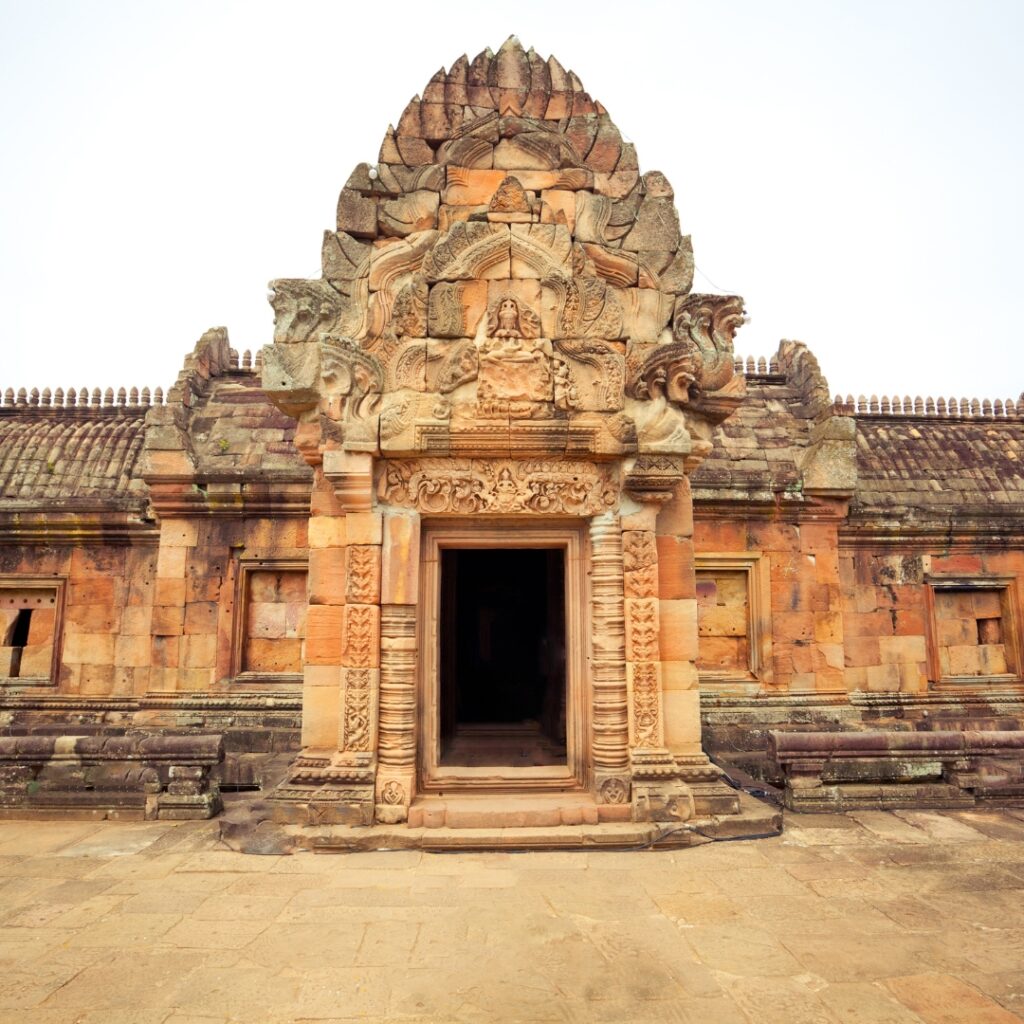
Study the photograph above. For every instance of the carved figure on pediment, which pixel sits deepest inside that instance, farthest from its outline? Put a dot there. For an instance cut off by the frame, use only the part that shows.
(409, 314)
(353, 379)
(709, 322)
(596, 370)
(394, 417)
(460, 366)
(348, 369)
(567, 395)
(509, 198)
(508, 319)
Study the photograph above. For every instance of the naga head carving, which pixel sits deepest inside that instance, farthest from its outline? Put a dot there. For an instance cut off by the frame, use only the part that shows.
(303, 310)
(669, 371)
(709, 322)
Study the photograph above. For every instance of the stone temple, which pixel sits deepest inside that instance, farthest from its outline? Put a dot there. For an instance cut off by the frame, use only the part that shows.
(499, 535)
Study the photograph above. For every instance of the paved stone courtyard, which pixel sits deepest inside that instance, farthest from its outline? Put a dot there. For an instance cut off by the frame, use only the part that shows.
(873, 918)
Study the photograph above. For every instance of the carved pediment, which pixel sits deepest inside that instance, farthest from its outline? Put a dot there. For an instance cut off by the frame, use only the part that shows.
(504, 280)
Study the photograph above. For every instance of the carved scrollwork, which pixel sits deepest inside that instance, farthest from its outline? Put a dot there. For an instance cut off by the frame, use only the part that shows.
(357, 709)
(645, 704)
(469, 487)
(709, 322)
(585, 308)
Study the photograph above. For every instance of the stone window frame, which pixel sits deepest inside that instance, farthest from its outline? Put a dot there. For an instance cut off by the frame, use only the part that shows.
(571, 537)
(245, 568)
(59, 584)
(1006, 583)
(757, 567)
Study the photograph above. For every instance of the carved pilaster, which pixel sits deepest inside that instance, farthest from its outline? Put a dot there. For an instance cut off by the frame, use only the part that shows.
(610, 714)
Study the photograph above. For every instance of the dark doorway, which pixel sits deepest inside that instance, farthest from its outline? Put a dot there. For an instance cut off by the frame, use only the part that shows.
(502, 656)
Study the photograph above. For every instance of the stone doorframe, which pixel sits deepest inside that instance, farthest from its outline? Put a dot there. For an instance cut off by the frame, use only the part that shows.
(460, 533)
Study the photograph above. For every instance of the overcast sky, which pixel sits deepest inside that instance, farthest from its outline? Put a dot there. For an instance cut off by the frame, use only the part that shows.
(852, 169)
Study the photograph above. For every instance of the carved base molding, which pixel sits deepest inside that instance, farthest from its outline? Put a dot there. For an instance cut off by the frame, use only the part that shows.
(324, 788)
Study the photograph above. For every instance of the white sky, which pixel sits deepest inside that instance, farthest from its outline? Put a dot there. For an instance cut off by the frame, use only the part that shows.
(852, 169)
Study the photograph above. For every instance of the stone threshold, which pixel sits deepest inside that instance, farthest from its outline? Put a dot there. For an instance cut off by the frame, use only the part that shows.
(756, 820)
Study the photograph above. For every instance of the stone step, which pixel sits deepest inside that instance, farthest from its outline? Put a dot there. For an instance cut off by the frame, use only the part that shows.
(513, 811)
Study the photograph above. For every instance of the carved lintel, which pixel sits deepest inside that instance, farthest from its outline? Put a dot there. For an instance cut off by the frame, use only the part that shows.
(501, 486)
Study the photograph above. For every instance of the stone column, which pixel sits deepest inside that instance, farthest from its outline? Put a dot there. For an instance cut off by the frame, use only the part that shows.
(610, 707)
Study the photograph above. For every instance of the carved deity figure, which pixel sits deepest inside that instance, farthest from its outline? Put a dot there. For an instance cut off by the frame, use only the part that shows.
(507, 319)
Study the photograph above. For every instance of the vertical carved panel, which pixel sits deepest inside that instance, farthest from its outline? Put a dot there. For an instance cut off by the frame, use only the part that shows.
(610, 722)
(640, 564)
(397, 724)
(357, 713)
(362, 583)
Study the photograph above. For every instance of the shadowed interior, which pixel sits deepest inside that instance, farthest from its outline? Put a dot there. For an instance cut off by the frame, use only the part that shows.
(503, 656)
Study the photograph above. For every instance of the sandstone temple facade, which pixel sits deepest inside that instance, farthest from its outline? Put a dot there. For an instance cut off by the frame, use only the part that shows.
(499, 532)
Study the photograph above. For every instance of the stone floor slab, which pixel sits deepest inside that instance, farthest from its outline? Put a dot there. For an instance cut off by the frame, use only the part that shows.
(867, 918)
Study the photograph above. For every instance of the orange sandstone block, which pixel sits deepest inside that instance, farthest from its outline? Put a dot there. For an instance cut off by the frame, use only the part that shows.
(132, 651)
(89, 648)
(327, 531)
(169, 591)
(168, 620)
(871, 624)
(199, 651)
(273, 655)
(165, 651)
(678, 630)
(793, 625)
(676, 580)
(400, 559)
(36, 661)
(86, 562)
(266, 620)
(327, 576)
(364, 527)
(90, 618)
(862, 651)
(40, 627)
(99, 590)
(170, 562)
(895, 649)
(324, 634)
(910, 623)
(201, 617)
(828, 628)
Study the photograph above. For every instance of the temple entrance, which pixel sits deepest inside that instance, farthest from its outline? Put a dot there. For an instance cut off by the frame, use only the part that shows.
(503, 612)
(502, 657)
